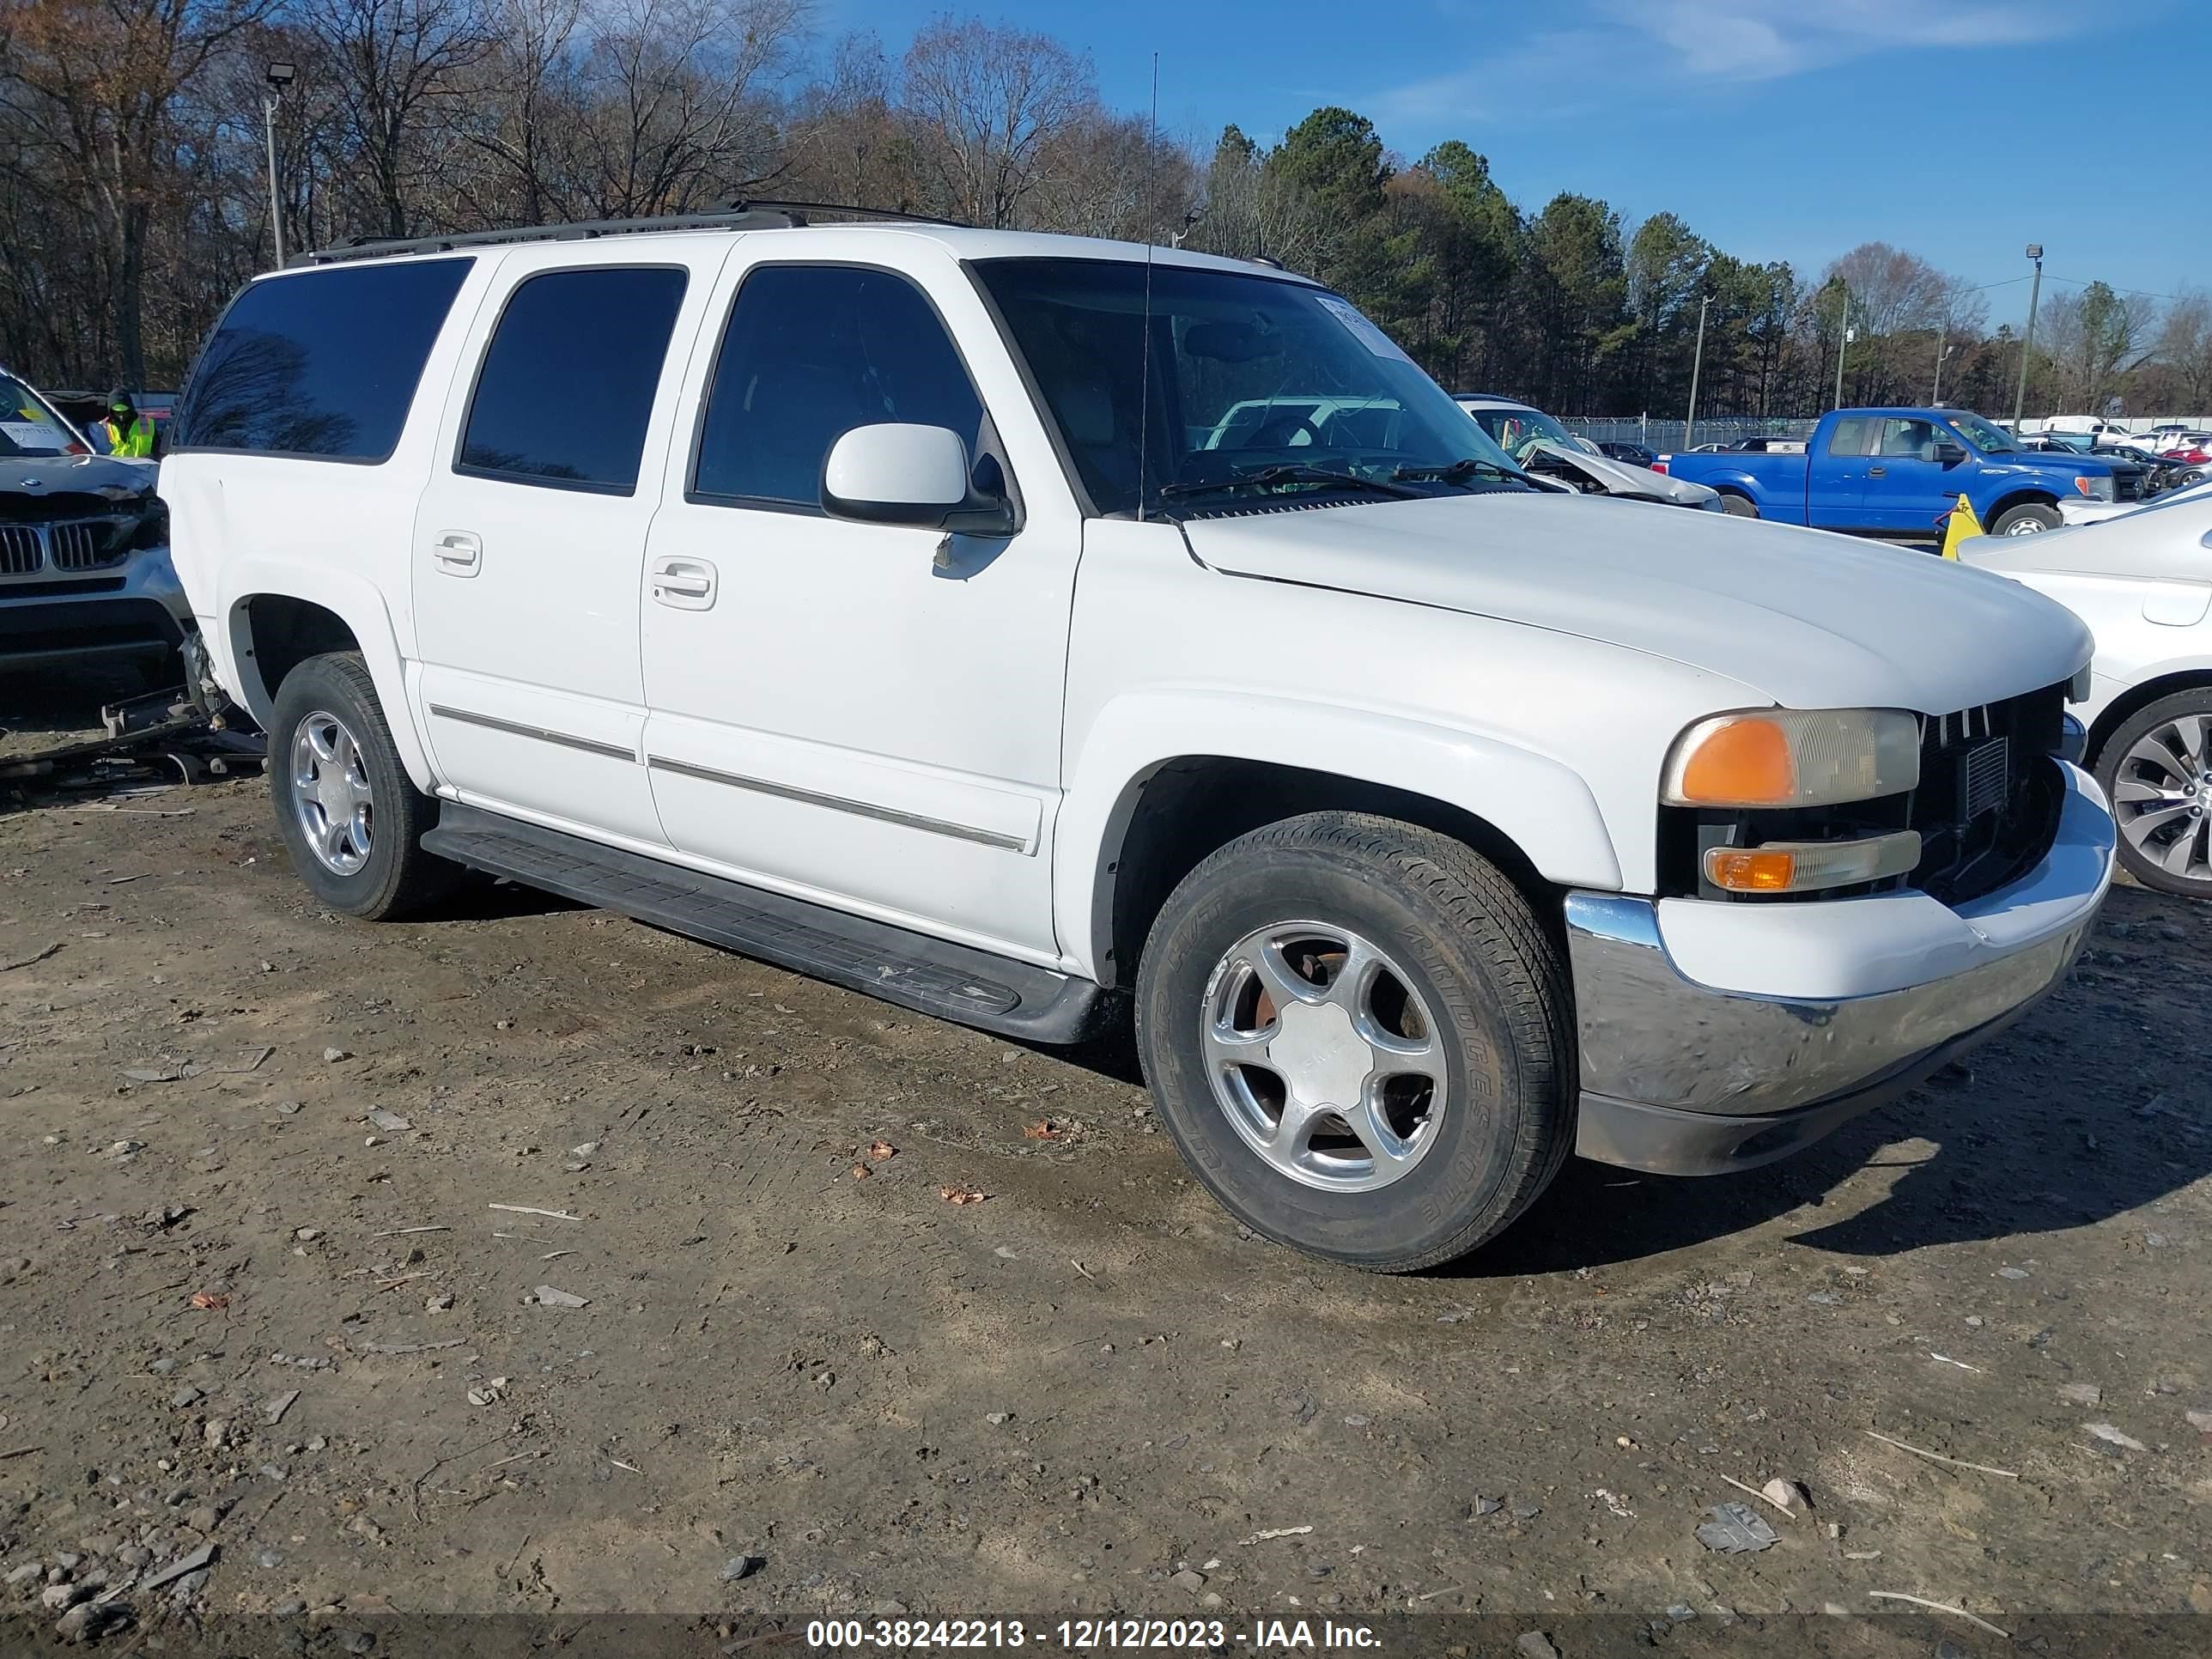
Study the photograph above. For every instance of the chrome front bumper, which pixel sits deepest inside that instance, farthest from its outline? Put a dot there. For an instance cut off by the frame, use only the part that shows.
(1755, 1029)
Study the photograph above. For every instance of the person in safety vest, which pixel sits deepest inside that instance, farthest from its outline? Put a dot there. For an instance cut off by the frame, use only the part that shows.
(129, 434)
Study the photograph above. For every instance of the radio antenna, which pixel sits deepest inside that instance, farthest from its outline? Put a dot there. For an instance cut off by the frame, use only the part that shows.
(1144, 326)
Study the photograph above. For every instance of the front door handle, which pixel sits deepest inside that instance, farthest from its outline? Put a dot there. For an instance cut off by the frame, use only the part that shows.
(684, 584)
(1877, 472)
(458, 553)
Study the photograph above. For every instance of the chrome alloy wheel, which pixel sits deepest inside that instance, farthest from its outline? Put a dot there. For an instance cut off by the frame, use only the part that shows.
(1324, 1057)
(2159, 795)
(330, 793)
(2025, 526)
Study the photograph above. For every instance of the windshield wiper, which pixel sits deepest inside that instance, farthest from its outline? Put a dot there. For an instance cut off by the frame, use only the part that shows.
(1461, 472)
(1291, 472)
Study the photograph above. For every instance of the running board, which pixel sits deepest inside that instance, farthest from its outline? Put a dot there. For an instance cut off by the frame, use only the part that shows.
(932, 976)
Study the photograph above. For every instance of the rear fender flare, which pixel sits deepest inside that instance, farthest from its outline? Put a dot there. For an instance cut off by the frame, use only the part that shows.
(354, 601)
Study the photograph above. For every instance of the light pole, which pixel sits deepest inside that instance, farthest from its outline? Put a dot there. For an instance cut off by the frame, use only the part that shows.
(1844, 334)
(279, 77)
(1697, 362)
(2027, 345)
(1942, 352)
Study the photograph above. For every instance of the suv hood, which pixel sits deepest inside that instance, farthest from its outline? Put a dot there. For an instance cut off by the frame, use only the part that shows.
(1626, 478)
(74, 475)
(1810, 619)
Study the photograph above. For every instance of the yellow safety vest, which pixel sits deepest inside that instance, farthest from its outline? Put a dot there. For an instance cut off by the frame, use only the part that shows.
(137, 442)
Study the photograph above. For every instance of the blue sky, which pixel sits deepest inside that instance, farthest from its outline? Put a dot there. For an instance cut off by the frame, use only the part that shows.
(1779, 129)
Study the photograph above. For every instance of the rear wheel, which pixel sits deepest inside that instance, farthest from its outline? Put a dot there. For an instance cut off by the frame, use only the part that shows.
(1357, 1032)
(2028, 518)
(351, 817)
(2156, 769)
(1738, 505)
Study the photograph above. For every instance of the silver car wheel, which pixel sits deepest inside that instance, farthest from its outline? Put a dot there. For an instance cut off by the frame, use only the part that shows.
(1325, 1059)
(330, 793)
(2159, 793)
(2026, 526)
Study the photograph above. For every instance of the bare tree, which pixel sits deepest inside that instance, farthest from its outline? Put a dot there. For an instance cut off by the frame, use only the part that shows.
(674, 107)
(392, 63)
(92, 86)
(990, 100)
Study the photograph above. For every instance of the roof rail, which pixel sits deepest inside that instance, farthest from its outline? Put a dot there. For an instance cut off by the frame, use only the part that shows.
(741, 215)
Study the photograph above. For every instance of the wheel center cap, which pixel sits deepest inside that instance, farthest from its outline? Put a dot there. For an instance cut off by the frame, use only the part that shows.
(335, 794)
(1320, 1055)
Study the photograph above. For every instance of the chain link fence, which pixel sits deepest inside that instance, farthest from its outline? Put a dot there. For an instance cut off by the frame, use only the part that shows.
(1665, 435)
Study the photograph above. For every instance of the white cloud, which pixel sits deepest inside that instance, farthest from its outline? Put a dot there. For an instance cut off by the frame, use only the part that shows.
(1650, 50)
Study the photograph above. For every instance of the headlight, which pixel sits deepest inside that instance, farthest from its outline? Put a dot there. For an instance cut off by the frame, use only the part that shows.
(1794, 758)
(2098, 489)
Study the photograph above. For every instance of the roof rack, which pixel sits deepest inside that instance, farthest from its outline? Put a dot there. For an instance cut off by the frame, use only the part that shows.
(741, 215)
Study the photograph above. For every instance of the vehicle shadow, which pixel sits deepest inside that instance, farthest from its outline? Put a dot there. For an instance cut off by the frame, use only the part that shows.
(61, 701)
(2088, 1109)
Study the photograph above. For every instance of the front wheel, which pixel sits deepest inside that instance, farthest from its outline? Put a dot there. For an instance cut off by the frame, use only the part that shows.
(349, 816)
(1357, 1032)
(2156, 770)
(2028, 518)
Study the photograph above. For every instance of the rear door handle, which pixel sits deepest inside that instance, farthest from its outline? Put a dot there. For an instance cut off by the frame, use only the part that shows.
(458, 553)
(684, 584)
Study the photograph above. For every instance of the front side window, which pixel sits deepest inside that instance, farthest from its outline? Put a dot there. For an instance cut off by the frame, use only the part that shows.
(28, 426)
(1518, 431)
(321, 364)
(568, 384)
(810, 352)
(1238, 384)
(1908, 441)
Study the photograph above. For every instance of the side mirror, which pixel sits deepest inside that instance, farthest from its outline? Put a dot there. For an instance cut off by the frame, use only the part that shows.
(899, 473)
(1948, 454)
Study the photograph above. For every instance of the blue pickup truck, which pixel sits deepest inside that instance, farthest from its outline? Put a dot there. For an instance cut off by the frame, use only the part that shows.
(1894, 472)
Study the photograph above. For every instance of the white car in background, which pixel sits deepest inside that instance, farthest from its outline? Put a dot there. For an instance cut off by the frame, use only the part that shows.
(1542, 445)
(2143, 581)
(2095, 512)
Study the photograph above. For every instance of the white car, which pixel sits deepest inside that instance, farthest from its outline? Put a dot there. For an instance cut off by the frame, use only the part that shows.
(1540, 444)
(2143, 581)
(871, 599)
(2089, 511)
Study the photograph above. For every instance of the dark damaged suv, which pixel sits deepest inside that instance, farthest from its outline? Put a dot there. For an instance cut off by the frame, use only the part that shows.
(84, 548)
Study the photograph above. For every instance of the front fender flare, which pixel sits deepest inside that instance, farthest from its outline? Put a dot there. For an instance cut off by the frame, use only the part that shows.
(1541, 805)
(356, 602)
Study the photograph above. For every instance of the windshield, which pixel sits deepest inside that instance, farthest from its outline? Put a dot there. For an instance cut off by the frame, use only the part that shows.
(1517, 431)
(1241, 375)
(1990, 439)
(28, 426)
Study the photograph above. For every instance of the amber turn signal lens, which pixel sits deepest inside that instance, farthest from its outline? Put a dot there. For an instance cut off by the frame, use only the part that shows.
(1803, 866)
(1749, 870)
(1742, 760)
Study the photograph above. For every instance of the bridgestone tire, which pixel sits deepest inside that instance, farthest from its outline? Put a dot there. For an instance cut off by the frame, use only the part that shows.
(398, 878)
(1467, 942)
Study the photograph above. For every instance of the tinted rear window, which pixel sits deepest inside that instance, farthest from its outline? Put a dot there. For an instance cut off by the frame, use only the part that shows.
(568, 382)
(323, 364)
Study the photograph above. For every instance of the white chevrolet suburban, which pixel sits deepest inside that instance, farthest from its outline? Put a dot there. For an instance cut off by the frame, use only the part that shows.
(897, 603)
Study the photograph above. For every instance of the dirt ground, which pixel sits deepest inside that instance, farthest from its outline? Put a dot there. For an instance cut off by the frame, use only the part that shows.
(273, 1189)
